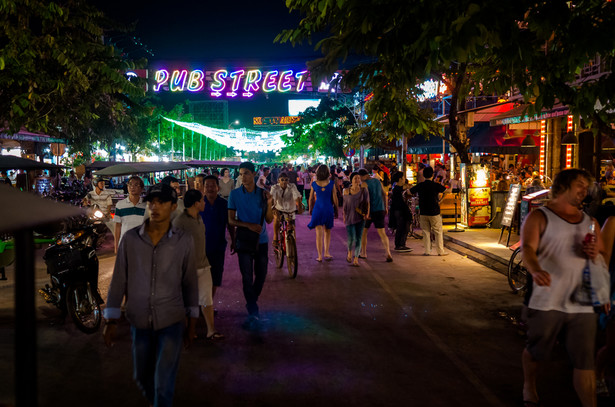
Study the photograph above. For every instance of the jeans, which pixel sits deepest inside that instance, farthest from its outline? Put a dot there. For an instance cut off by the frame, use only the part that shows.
(355, 232)
(253, 272)
(156, 359)
(432, 224)
(402, 222)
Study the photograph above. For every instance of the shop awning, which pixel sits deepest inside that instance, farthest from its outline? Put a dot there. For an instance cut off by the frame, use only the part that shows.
(140, 168)
(24, 135)
(9, 162)
(483, 139)
(420, 145)
(494, 140)
(519, 115)
(209, 163)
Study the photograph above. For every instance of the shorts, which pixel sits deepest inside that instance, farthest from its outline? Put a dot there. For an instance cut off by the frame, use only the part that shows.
(377, 218)
(579, 330)
(205, 287)
(216, 261)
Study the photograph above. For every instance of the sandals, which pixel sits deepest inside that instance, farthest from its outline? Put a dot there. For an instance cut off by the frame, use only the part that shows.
(216, 336)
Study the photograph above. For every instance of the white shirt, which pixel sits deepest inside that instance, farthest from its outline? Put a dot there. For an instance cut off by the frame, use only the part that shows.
(129, 215)
(285, 199)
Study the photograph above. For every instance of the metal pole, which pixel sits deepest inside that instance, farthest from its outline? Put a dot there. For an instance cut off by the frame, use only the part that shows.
(200, 146)
(25, 321)
(192, 147)
(159, 152)
(183, 145)
(172, 144)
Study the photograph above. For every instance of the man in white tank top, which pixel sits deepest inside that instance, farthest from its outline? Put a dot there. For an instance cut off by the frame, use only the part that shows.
(555, 252)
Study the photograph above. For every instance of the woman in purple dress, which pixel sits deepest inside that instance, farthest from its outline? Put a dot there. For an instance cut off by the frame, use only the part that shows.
(322, 199)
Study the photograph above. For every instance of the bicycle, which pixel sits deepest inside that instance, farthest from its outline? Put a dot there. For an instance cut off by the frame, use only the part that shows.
(517, 273)
(413, 202)
(287, 246)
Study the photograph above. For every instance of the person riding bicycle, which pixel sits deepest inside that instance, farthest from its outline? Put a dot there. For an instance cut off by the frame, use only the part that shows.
(286, 198)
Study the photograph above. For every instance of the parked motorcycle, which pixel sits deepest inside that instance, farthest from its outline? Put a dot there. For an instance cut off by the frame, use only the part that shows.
(72, 265)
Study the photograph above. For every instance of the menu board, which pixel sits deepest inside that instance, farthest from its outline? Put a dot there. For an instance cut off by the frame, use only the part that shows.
(511, 204)
(479, 196)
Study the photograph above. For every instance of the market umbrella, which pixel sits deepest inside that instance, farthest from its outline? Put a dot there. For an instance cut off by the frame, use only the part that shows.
(22, 212)
(140, 167)
(9, 162)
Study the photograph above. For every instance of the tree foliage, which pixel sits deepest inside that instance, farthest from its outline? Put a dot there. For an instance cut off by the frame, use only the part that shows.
(558, 40)
(57, 76)
(324, 130)
(407, 43)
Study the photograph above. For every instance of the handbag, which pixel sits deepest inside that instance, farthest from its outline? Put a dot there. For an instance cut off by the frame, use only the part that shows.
(246, 240)
(596, 284)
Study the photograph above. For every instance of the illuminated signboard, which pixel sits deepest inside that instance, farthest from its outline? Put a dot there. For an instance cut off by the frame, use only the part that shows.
(239, 82)
(275, 121)
(431, 89)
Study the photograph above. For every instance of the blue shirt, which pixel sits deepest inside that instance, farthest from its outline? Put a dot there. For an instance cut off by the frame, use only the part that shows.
(249, 207)
(215, 218)
(374, 186)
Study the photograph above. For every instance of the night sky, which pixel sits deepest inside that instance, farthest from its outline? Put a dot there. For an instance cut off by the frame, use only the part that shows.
(214, 35)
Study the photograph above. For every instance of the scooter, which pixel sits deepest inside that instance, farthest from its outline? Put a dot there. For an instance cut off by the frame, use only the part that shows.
(72, 265)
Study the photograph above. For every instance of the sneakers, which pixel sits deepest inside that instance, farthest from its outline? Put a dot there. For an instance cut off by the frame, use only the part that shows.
(403, 249)
(443, 254)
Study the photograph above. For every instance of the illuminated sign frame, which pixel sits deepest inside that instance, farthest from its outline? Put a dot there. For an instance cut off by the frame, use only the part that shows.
(239, 82)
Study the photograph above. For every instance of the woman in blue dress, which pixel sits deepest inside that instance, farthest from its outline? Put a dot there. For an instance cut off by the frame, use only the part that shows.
(322, 199)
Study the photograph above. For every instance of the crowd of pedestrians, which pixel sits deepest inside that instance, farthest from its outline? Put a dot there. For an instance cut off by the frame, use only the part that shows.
(190, 247)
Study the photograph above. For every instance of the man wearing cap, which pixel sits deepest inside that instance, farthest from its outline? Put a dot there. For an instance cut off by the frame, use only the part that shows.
(249, 207)
(155, 271)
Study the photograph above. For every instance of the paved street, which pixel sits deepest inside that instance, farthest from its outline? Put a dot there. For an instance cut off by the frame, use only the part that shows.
(421, 331)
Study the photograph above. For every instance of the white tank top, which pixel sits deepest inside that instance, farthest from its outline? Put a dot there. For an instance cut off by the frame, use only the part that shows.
(560, 254)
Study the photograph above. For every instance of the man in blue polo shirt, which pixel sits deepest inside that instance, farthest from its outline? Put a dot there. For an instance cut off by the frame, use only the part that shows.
(246, 206)
(215, 218)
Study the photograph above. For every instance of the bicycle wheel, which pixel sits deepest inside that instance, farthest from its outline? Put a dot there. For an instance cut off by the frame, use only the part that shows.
(279, 251)
(291, 252)
(517, 273)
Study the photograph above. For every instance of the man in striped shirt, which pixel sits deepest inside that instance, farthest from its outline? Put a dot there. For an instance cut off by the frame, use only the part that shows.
(129, 212)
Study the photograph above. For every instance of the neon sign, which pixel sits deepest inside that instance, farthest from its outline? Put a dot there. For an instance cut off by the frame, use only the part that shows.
(240, 82)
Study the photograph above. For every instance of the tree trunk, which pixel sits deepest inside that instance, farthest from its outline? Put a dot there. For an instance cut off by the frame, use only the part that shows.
(457, 127)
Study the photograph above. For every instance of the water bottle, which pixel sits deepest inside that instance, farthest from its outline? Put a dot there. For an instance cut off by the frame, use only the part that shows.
(586, 284)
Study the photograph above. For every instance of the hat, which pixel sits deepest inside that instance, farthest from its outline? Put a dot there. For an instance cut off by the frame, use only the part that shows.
(163, 192)
(98, 179)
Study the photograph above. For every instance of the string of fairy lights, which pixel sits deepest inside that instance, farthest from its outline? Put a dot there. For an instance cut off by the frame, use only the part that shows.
(239, 139)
